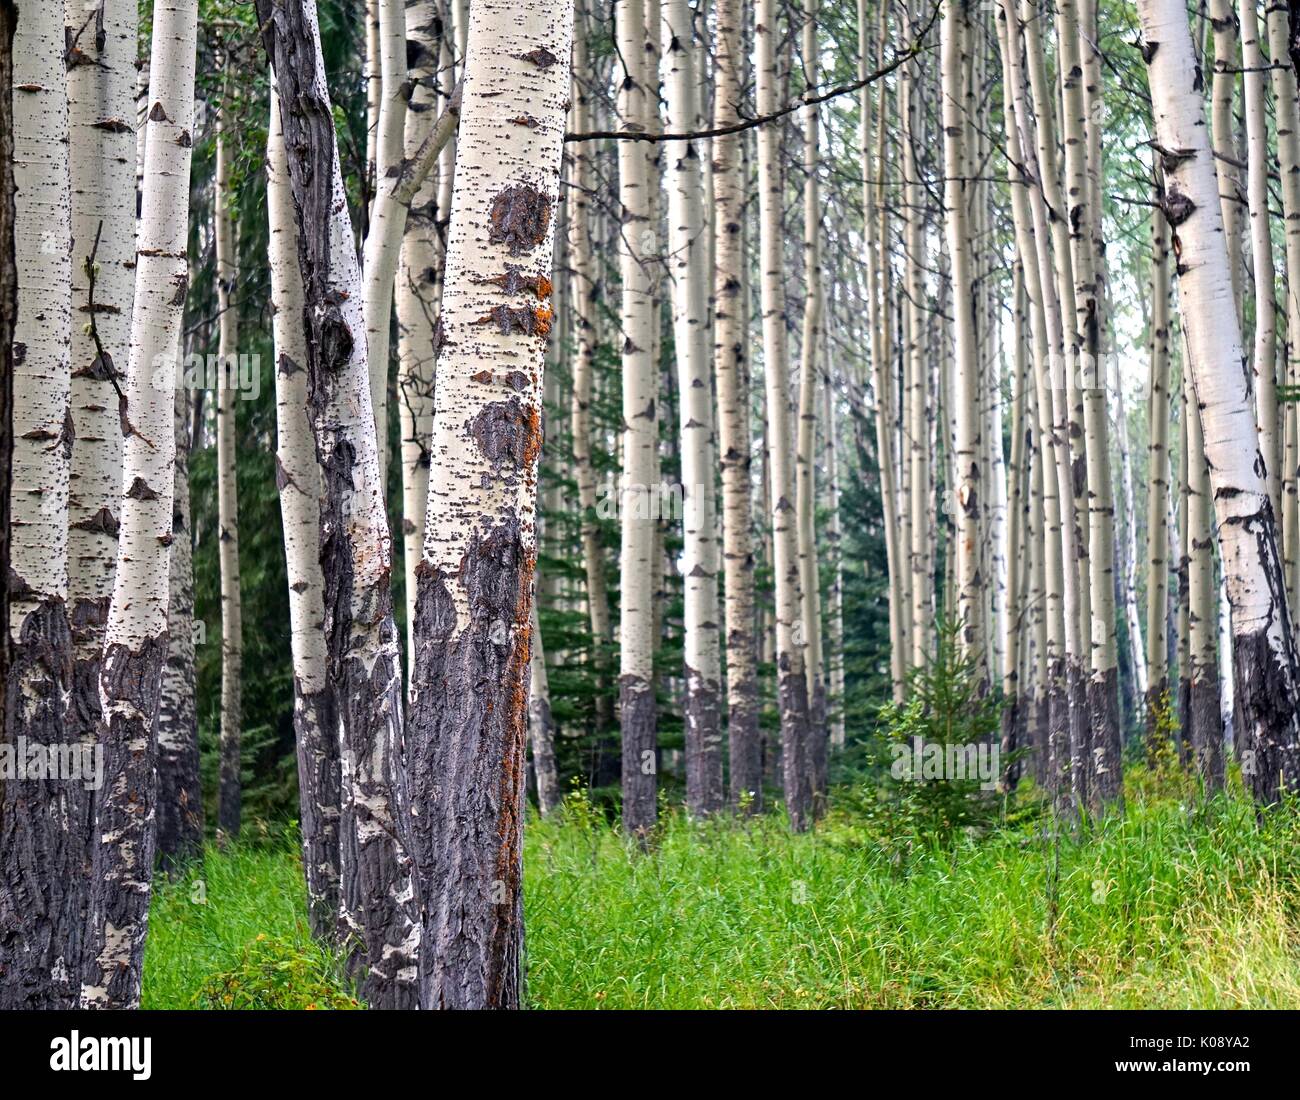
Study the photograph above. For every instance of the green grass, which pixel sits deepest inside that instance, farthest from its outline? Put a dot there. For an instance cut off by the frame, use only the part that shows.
(1175, 905)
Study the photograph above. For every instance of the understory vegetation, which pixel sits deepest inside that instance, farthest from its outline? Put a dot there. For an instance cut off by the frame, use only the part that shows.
(1181, 903)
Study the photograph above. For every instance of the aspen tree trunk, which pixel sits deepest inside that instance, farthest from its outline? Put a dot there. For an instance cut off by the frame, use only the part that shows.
(806, 429)
(1013, 628)
(1264, 651)
(42, 820)
(921, 582)
(1264, 360)
(1033, 137)
(465, 741)
(688, 247)
(792, 684)
(638, 561)
(881, 307)
(583, 294)
(417, 293)
(965, 399)
(232, 646)
(387, 223)
(1287, 113)
(1183, 643)
(378, 901)
(1157, 655)
(1204, 717)
(372, 74)
(136, 634)
(835, 595)
(8, 317)
(731, 368)
(541, 731)
(101, 92)
(180, 789)
(1223, 20)
(315, 715)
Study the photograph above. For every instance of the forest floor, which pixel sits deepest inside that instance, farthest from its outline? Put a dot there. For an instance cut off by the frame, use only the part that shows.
(1179, 903)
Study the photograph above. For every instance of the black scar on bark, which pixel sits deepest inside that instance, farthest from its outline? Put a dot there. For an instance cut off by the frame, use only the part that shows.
(43, 832)
(125, 812)
(508, 432)
(525, 320)
(519, 218)
(319, 777)
(744, 739)
(1106, 782)
(1205, 717)
(465, 748)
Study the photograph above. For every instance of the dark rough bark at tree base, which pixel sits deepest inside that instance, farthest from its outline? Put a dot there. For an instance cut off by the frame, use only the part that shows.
(43, 827)
(1078, 790)
(704, 785)
(1057, 757)
(1106, 769)
(1184, 720)
(123, 848)
(1268, 708)
(469, 728)
(636, 706)
(792, 691)
(543, 746)
(1012, 736)
(180, 790)
(1205, 715)
(745, 751)
(230, 797)
(315, 727)
(818, 748)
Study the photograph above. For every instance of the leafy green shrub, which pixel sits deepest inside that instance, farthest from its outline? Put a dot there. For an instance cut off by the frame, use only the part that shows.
(273, 973)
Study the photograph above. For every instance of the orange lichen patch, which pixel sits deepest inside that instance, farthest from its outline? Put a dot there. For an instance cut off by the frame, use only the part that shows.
(484, 376)
(519, 319)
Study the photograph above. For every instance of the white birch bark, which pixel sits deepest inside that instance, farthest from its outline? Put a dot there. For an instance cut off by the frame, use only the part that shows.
(298, 481)
(378, 900)
(1264, 647)
(688, 246)
(731, 369)
(805, 463)
(229, 796)
(1158, 496)
(136, 634)
(468, 724)
(637, 558)
(791, 681)
(42, 821)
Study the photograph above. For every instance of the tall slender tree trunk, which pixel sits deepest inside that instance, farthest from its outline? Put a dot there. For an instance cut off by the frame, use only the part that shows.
(1264, 357)
(136, 635)
(1205, 724)
(731, 369)
(229, 795)
(638, 561)
(969, 493)
(468, 724)
(1264, 648)
(806, 430)
(8, 319)
(378, 900)
(417, 291)
(1287, 112)
(792, 684)
(541, 729)
(688, 246)
(315, 714)
(1157, 655)
(42, 820)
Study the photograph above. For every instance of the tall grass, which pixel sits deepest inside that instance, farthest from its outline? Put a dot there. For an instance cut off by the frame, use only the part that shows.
(1176, 904)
